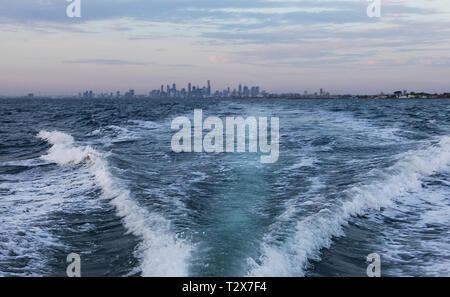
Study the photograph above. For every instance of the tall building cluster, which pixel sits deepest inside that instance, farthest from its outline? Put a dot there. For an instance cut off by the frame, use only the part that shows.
(206, 92)
(196, 91)
(191, 91)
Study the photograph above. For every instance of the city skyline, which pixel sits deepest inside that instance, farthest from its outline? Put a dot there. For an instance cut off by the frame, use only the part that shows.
(246, 91)
(282, 45)
(240, 91)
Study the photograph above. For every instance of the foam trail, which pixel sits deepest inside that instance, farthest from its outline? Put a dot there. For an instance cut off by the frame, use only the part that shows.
(316, 231)
(161, 252)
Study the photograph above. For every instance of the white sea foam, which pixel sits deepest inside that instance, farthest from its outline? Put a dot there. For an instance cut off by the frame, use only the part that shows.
(28, 228)
(421, 231)
(316, 232)
(27, 201)
(145, 124)
(363, 127)
(133, 131)
(63, 150)
(161, 252)
(343, 124)
(114, 134)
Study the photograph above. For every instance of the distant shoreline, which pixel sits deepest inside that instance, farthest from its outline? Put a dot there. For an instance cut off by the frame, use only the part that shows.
(274, 97)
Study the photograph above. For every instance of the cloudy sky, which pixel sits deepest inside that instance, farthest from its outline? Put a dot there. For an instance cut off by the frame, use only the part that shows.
(281, 45)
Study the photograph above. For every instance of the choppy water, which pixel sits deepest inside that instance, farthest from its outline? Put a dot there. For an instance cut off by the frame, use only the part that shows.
(99, 178)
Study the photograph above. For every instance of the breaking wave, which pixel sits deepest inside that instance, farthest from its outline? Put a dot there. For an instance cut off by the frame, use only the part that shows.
(315, 232)
(161, 252)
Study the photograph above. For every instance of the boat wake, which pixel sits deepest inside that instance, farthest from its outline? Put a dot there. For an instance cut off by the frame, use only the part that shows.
(161, 252)
(292, 257)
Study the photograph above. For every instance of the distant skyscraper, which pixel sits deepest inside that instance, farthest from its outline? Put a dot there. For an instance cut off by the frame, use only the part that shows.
(189, 89)
(209, 88)
(246, 91)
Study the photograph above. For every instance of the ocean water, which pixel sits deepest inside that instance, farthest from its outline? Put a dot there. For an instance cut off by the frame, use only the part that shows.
(99, 178)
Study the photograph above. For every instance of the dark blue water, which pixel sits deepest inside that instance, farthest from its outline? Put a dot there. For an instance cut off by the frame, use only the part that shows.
(99, 178)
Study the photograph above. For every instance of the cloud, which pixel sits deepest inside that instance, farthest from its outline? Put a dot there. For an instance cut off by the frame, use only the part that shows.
(109, 62)
(246, 35)
(218, 60)
(116, 62)
(228, 21)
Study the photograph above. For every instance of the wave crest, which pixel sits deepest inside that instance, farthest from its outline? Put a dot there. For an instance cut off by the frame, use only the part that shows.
(316, 231)
(161, 252)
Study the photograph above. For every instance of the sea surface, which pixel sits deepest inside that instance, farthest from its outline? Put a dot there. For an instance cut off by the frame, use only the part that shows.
(98, 177)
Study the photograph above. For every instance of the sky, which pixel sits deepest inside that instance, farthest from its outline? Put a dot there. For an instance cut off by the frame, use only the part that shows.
(279, 45)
